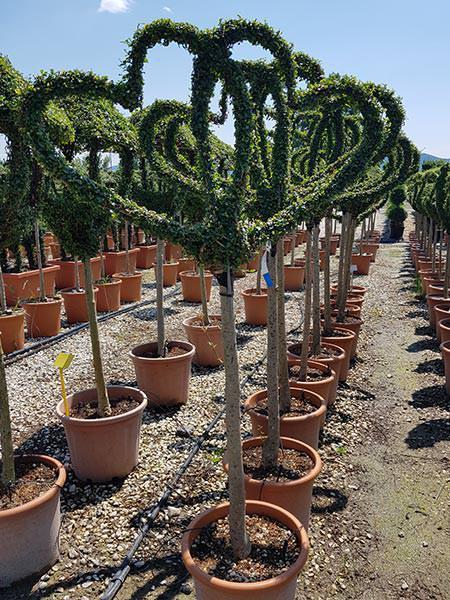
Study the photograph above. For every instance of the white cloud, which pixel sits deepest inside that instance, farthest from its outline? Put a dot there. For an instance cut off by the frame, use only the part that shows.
(114, 6)
(167, 9)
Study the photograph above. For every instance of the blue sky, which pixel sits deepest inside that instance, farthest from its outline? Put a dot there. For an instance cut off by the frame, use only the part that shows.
(403, 43)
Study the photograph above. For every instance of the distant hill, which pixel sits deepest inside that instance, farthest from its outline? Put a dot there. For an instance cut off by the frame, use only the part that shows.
(425, 157)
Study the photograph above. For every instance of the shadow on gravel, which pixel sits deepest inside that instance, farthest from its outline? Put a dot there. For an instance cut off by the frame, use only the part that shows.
(431, 396)
(421, 345)
(149, 314)
(424, 330)
(49, 440)
(327, 500)
(435, 366)
(428, 433)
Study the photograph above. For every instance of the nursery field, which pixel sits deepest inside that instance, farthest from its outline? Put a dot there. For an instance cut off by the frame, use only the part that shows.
(378, 505)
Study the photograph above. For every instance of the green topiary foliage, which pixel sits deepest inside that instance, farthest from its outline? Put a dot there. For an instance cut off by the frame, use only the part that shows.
(396, 212)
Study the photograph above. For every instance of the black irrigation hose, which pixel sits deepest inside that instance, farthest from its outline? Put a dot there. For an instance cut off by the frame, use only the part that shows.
(122, 572)
(13, 357)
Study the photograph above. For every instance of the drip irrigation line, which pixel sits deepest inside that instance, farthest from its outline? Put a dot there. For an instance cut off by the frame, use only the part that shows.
(123, 571)
(31, 349)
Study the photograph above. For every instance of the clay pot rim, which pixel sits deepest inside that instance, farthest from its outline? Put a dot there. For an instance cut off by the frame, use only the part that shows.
(294, 389)
(105, 420)
(139, 246)
(364, 254)
(73, 291)
(116, 252)
(108, 283)
(444, 323)
(294, 267)
(17, 312)
(188, 323)
(48, 269)
(339, 356)
(60, 479)
(443, 307)
(349, 333)
(361, 321)
(361, 289)
(167, 264)
(252, 292)
(316, 365)
(181, 343)
(252, 506)
(294, 444)
(120, 276)
(30, 302)
(443, 347)
(71, 261)
(192, 274)
(437, 296)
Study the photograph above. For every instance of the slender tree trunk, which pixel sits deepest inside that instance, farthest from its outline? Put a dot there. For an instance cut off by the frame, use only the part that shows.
(327, 279)
(104, 408)
(346, 217)
(362, 235)
(258, 273)
(3, 305)
(433, 252)
(315, 347)
(8, 475)
(201, 272)
(102, 264)
(430, 238)
(307, 311)
(283, 373)
(239, 539)
(441, 232)
(292, 262)
(127, 249)
(270, 449)
(347, 273)
(159, 296)
(77, 274)
(37, 241)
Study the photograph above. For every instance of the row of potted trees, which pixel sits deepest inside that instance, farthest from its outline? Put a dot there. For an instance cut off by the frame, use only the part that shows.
(230, 205)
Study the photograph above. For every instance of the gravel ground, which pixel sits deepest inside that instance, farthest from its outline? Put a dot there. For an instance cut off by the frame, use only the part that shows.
(372, 424)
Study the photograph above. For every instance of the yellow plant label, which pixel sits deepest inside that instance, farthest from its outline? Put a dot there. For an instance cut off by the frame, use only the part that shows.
(63, 360)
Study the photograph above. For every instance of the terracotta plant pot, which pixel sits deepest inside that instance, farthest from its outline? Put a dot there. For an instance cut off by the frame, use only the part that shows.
(101, 449)
(353, 310)
(354, 325)
(170, 273)
(294, 278)
(300, 236)
(190, 285)
(356, 289)
(370, 248)
(75, 305)
(282, 587)
(29, 533)
(323, 387)
(12, 335)
(185, 264)
(43, 318)
(116, 262)
(287, 245)
(66, 276)
(333, 245)
(335, 362)
(23, 286)
(362, 263)
(346, 342)
(207, 340)
(444, 330)
(255, 306)
(108, 297)
(294, 496)
(131, 286)
(165, 381)
(432, 302)
(305, 428)
(441, 312)
(445, 349)
(146, 257)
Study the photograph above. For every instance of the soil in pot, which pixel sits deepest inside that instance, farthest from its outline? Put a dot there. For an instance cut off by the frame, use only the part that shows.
(265, 574)
(165, 380)
(103, 448)
(353, 324)
(319, 378)
(30, 519)
(43, 318)
(255, 306)
(290, 484)
(207, 340)
(185, 264)
(12, 336)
